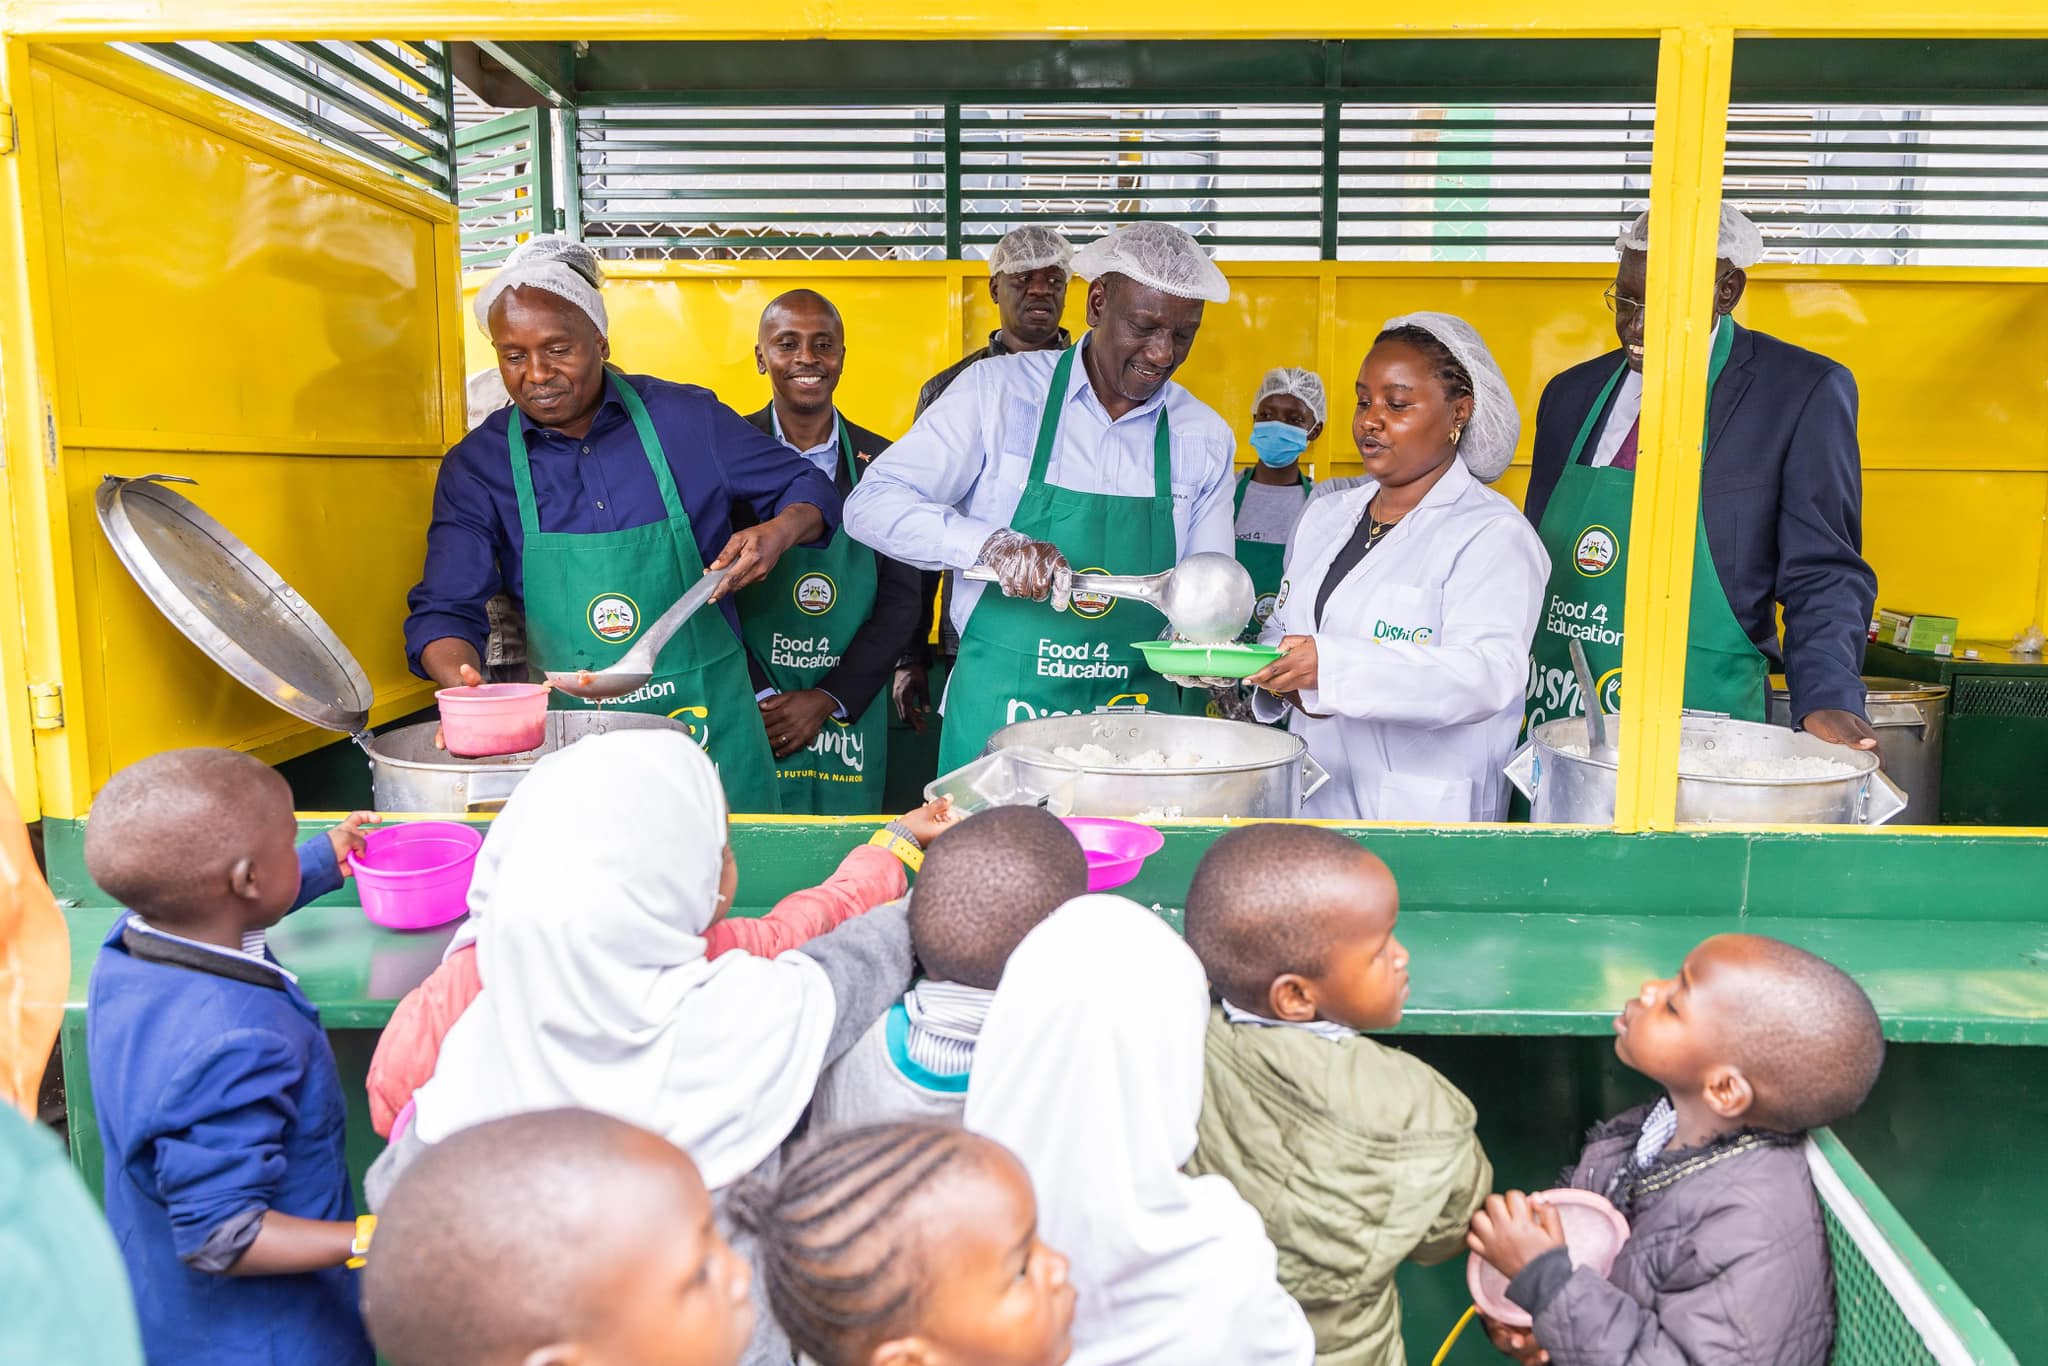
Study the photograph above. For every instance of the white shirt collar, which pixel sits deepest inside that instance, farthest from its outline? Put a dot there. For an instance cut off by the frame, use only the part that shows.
(252, 945)
(818, 454)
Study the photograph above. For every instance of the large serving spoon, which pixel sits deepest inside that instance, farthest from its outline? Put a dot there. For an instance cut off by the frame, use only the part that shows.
(1208, 597)
(1598, 746)
(635, 668)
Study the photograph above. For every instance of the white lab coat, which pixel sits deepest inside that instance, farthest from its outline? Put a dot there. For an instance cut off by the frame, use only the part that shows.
(1423, 652)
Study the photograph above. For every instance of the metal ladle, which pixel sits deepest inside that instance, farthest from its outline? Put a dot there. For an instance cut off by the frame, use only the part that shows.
(1208, 597)
(633, 669)
(1598, 746)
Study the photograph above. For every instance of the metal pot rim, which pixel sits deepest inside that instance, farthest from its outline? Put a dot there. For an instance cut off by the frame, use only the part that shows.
(1863, 762)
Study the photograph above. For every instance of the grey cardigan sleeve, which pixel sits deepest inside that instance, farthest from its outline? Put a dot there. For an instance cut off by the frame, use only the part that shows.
(867, 960)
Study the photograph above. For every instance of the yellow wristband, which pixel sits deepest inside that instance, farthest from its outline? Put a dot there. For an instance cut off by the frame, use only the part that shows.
(907, 850)
(359, 1250)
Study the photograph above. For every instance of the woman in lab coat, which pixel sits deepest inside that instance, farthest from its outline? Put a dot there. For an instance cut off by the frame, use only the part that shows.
(1409, 601)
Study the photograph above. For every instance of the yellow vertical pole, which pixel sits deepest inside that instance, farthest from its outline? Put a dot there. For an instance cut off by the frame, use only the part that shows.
(1338, 379)
(1693, 68)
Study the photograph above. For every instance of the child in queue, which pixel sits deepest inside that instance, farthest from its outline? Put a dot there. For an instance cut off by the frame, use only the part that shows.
(554, 1238)
(1357, 1155)
(1754, 1042)
(909, 1244)
(869, 876)
(984, 885)
(218, 1102)
(1089, 1069)
(598, 991)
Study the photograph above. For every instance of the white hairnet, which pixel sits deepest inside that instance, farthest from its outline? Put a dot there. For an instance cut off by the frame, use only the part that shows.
(1305, 385)
(556, 264)
(1157, 255)
(1488, 444)
(1741, 243)
(1031, 247)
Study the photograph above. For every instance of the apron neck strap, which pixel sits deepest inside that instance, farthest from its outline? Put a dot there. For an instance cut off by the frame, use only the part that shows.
(1049, 431)
(650, 446)
(1717, 361)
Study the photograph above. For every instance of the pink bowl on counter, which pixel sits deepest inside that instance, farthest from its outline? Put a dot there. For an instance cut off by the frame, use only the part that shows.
(416, 876)
(1116, 849)
(493, 718)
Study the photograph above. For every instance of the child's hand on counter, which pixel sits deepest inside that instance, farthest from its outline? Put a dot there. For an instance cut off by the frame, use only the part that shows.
(931, 820)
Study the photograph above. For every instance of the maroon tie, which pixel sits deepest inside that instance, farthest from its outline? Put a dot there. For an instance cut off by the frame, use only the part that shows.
(1625, 458)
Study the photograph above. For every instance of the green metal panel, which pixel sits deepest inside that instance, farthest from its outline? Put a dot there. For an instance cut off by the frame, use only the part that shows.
(505, 177)
(389, 102)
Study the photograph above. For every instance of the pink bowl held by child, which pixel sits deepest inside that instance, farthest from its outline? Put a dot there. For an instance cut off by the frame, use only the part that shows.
(1594, 1231)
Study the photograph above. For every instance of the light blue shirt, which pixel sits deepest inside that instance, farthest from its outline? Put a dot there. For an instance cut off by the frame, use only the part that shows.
(955, 479)
(825, 455)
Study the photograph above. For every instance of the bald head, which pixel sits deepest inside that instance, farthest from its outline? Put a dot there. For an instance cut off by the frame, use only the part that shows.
(1802, 1031)
(801, 347)
(525, 1233)
(985, 884)
(167, 836)
(1281, 898)
(801, 303)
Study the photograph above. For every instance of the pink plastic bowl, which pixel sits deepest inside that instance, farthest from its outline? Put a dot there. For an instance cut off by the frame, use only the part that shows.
(1116, 850)
(1594, 1231)
(416, 876)
(495, 718)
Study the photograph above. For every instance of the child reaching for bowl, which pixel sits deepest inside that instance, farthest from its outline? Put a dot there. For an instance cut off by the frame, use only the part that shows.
(1358, 1156)
(910, 1244)
(869, 876)
(1754, 1042)
(983, 886)
(217, 1097)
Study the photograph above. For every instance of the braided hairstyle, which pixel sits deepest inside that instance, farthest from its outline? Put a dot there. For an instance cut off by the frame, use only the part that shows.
(1450, 372)
(834, 1245)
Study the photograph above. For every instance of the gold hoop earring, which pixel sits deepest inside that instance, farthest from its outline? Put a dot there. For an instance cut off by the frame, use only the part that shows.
(1456, 433)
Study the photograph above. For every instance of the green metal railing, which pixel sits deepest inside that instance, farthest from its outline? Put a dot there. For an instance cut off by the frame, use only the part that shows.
(504, 177)
(390, 102)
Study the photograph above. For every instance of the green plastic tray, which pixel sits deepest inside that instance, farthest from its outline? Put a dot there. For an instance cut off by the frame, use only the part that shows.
(1207, 661)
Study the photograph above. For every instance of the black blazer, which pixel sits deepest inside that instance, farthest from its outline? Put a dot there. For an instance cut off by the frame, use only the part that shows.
(869, 660)
(1782, 495)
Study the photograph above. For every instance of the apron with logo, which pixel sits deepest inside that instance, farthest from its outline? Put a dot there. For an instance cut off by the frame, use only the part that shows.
(797, 623)
(589, 595)
(1019, 659)
(1265, 561)
(1586, 529)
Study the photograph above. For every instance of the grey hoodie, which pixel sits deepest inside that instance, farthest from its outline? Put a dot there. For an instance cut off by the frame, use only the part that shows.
(1726, 1262)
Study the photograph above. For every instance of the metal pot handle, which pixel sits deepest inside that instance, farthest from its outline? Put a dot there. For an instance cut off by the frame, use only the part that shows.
(1900, 715)
(1882, 799)
(1313, 776)
(1521, 771)
(488, 791)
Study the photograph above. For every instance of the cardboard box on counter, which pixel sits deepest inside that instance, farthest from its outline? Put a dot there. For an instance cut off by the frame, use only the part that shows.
(1919, 632)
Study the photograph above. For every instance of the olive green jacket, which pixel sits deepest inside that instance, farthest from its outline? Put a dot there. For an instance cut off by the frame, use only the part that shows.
(1357, 1156)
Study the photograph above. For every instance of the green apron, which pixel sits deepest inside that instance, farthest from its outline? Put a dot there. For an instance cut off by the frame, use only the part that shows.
(1019, 659)
(1265, 561)
(1586, 528)
(797, 623)
(589, 594)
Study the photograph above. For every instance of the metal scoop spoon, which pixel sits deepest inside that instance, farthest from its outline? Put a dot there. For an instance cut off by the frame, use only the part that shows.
(636, 666)
(1207, 596)
(1597, 744)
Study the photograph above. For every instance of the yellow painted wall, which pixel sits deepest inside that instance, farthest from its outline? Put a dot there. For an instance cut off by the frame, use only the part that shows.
(1952, 367)
(226, 301)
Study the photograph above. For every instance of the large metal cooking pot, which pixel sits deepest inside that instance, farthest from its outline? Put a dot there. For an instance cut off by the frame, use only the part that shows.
(1251, 771)
(1568, 786)
(1907, 717)
(408, 774)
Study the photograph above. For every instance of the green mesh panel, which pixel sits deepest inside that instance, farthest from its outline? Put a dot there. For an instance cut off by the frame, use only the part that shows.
(1870, 1328)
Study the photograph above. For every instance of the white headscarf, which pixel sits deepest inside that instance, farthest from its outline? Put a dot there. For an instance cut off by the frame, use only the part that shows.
(1089, 1069)
(597, 993)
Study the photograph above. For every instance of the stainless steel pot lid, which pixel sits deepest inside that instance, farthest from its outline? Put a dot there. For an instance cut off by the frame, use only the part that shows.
(231, 604)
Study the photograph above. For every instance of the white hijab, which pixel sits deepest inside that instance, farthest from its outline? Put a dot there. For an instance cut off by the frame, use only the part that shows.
(1089, 1069)
(601, 879)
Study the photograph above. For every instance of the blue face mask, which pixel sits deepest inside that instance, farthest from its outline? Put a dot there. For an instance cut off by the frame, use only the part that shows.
(1279, 444)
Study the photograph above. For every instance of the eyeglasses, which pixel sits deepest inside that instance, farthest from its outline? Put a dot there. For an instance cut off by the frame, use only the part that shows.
(1617, 302)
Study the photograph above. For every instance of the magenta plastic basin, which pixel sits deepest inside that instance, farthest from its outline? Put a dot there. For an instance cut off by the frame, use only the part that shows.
(493, 718)
(416, 876)
(1116, 849)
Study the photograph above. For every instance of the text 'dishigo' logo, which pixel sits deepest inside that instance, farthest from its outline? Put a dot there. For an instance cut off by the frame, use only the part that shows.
(614, 617)
(1596, 551)
(815, 593)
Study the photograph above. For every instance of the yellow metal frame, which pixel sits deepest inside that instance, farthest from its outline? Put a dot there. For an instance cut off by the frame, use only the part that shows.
(1696, 40)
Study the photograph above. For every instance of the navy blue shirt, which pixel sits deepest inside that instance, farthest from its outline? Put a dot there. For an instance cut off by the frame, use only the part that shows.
(217, 1096)
(599, 483)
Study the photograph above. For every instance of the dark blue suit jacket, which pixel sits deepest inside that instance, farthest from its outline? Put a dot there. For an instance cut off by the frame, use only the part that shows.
(1782, 493)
